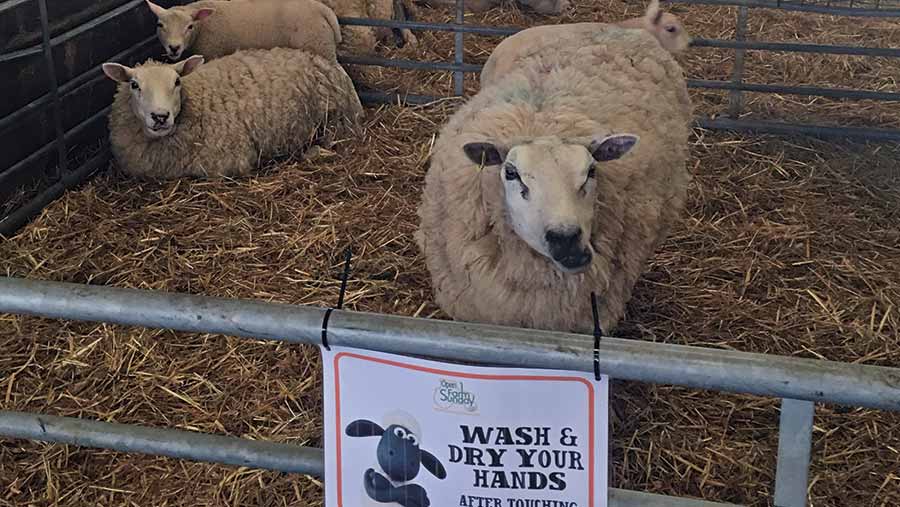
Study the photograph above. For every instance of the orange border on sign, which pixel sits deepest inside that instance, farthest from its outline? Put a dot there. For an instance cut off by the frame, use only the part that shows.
(337, 403)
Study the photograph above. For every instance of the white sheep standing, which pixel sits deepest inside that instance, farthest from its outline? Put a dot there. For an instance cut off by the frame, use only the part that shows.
(216, 28)
(172, 120)
(664, 26)
(560, 179)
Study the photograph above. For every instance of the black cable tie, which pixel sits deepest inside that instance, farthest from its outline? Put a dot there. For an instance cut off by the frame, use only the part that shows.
(598, 334)
(340, 304)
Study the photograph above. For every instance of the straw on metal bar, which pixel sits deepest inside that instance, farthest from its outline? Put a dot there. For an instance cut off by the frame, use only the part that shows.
(407, 64)
(660, 363)
(228, 450)
(440, 27)
(735, 97)
(797, 48)
(834, 93)
(781, 128)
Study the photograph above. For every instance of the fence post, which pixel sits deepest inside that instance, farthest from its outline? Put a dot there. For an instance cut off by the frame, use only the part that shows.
(458, 51)
(54, 91)
(794, 444)
(735, 97)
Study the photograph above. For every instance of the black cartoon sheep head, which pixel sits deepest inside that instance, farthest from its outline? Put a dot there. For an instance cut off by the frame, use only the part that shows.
(398, 453)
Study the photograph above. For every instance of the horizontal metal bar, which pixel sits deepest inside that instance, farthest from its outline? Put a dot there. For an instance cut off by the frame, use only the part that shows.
(24, 164)
(660, 363)
(797, 48)
(407, 64)
(163, 442)
(73, 85)
(800, 6)
(369, 97)
(11, 4)
(833, 93)
(68, 179)
(779, 128)
(71, 34)
(227, 450)
(794, 444)
(439, 27)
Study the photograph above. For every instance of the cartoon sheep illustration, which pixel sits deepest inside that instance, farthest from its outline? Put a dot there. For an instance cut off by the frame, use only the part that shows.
(399, 459)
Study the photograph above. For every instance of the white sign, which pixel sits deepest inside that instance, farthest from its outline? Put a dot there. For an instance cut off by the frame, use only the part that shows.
(414, 433)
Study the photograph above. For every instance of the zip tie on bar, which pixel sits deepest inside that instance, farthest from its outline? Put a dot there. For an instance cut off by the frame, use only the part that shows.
(340, 304)
(598, 334)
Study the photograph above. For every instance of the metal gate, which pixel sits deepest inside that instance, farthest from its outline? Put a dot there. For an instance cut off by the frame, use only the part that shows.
(799, 382)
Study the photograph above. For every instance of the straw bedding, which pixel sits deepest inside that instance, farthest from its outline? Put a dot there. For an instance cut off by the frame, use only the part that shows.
(787, 247)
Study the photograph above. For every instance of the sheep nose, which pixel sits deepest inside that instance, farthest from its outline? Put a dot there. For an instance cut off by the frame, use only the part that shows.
(564, 239)
(174, 49)
(565, 248)
(159, 117)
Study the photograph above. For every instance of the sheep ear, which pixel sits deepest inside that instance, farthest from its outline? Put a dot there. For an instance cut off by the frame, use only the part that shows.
(432, 464)
(612, 147)
(155, 9)
(117, 72)
(363, 428)
(485, 154)
(200, 14)
(654, 13)
(187, 66)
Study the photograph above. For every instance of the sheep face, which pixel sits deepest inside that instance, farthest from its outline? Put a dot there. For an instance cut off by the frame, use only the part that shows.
(177, 27)
(155, 92)
(667, 29)
(550, 189)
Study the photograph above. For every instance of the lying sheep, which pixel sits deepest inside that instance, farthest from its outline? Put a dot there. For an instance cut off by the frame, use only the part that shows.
(560, 179)
(218, 28)
(170, 121)
(665, 27)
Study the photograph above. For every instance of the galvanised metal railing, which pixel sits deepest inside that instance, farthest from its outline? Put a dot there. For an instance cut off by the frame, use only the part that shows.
(799, 382)
(63, 178)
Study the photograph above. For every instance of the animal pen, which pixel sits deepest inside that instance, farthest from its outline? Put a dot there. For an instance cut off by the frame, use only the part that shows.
(790, 249)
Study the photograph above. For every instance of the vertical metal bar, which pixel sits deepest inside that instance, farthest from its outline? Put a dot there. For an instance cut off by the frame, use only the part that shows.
(736, 97)
(54, 91)
(459, 77)
(794, 445)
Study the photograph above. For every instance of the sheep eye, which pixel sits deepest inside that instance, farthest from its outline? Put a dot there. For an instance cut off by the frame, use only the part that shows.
(510, 173)
(412, 439)
(177, 82)
(399, 432)
(592, 172)
(671, 29)
(190, 27)
(159, 25)
(134, 85)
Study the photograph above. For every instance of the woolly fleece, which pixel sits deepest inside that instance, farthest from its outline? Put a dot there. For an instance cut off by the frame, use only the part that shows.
(531, 41)
(236, 111)
(264, 24)
(613, 81)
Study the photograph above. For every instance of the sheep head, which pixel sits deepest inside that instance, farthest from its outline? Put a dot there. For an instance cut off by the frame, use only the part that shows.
(550, 189)
(177, 27)
(664, 26)
(155, 92)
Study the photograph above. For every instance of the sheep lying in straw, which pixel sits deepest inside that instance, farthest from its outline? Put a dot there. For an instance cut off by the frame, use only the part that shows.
(665, 27)
(559, 180)
(170, 121)
(218, 28)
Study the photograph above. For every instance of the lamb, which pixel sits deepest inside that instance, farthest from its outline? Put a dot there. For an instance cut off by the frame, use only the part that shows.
(216, 28)
(559, 180)
(173, 120)
(666, 27)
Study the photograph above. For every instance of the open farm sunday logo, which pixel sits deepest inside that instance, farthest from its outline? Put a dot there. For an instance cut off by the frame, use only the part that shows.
(413, 433)
(451, 396)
